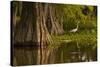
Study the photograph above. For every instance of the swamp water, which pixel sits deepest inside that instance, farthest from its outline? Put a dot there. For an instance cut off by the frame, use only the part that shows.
(29, 54)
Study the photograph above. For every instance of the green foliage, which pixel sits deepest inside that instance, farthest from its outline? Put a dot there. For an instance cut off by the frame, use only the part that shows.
(71, 14)
(74, 13)
(82, 38)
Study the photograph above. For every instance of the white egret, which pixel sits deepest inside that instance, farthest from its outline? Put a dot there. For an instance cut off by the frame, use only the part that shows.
(76, 29)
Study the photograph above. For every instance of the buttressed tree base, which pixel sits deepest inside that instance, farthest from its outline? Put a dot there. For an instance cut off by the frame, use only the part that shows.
(52, 33)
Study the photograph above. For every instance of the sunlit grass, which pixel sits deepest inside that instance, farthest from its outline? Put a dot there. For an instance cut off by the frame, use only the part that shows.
(81, 37)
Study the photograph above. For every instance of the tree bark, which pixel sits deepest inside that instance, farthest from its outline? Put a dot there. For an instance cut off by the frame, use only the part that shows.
(38, 22)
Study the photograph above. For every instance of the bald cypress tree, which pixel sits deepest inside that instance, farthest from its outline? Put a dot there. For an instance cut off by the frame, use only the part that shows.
(37, 22)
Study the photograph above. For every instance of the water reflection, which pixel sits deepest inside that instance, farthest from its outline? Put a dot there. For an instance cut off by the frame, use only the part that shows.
(75, 52)
(65, 53)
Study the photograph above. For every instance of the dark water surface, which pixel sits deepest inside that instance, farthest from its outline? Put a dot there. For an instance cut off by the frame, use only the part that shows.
(30, 54)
